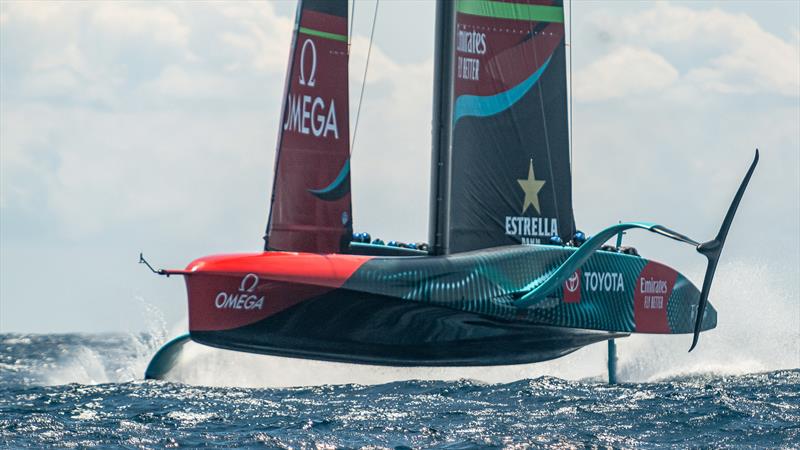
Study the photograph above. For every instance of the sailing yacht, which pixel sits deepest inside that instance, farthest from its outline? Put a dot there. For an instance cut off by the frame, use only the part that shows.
(505, 278)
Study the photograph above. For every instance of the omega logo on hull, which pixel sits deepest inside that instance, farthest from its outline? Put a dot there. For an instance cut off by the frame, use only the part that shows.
(244, 299)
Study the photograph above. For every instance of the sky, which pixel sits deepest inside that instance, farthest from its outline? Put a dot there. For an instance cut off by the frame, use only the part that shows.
(142, 126)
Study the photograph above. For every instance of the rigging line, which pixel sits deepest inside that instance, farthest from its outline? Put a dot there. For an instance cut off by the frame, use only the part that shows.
(352, 25)
(544, 122)
(364, 81)
(571, 95)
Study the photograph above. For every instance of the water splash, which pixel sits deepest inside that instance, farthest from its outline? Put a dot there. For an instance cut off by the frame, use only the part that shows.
(106, 361)
(78, 365)
(758, 307)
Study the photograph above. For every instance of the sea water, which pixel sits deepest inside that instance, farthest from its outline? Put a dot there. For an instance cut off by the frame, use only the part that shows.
(739, 388)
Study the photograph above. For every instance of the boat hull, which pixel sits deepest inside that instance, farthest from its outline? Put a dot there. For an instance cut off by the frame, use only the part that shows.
(454, 310)
(354, 327)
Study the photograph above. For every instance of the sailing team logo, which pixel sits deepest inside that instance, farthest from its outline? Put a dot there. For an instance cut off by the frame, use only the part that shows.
(531, 229)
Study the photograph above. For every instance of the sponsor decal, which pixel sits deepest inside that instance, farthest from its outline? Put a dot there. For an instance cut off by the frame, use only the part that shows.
(603, 282)
(312, 79)
(310, 114)
(473, 43)
(244, 298)
(468, 68)
(572, 288)
(531, 186)
(653, 291)
(531, 230)
(651, 298)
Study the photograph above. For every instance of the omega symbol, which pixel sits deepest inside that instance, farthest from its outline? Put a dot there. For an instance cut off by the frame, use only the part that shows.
(250, 276)
(312, 79)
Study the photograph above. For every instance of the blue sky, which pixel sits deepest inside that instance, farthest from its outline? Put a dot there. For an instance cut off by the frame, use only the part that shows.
(130, 126)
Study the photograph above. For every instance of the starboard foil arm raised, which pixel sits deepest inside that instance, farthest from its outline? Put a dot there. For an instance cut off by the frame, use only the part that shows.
(711, 250)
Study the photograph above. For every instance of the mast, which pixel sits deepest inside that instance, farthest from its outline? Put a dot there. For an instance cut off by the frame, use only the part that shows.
(438, 222)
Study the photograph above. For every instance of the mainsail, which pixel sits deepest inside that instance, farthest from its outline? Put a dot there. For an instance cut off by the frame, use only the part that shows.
(310, 207)
(503, 175)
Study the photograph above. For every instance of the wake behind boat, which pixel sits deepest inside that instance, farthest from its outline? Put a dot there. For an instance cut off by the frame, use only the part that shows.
(500, 178)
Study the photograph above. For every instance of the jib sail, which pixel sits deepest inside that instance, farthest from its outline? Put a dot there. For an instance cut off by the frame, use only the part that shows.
(509, 178)
(311, 210)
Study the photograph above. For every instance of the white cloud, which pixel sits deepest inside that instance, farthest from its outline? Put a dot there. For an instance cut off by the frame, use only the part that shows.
(104, 112)
(180, 82)
(140, 21)
(263, 36)
(40, 12)
(713, 51)
(624, 72)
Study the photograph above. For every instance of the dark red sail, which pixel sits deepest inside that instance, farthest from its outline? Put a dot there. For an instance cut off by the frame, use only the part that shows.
(311, 210)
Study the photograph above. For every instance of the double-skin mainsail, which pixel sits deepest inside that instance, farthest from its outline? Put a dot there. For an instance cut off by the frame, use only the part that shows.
(501, 165)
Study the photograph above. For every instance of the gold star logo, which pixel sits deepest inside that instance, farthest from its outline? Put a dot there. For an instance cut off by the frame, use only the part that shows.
(531, 187)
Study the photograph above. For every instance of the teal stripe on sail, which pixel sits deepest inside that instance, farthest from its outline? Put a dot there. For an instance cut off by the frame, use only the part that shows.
(483, 106)
(514, 11)
(338, 188)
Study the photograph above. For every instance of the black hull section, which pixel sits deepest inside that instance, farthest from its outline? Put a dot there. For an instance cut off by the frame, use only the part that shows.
(354, 327)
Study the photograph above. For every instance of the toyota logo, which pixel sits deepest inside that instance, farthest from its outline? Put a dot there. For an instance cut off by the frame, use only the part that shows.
(573, 283)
